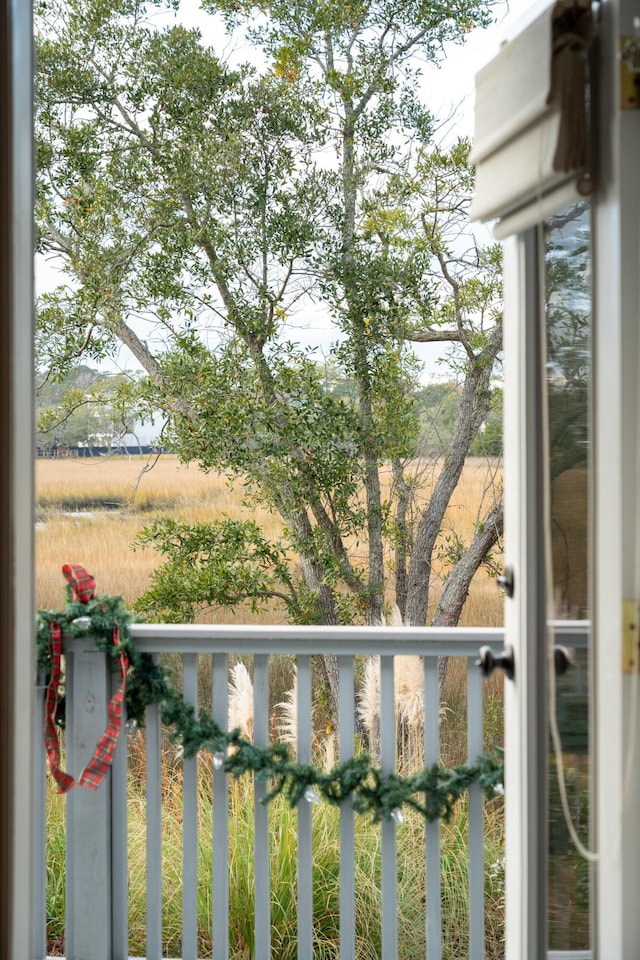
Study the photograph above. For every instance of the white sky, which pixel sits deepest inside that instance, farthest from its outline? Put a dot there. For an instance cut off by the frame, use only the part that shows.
(456, 76)
(450, 95)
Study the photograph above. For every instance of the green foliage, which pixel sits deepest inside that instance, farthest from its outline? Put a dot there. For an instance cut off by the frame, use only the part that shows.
(450, 548)
(220, 563)
(213, 206)
(488, 442)
(62, 413)
(85, 407)
(389, 35)
(438, 405)
(287, 441)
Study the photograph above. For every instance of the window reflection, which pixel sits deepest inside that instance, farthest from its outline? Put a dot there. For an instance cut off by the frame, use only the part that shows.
(568, 383)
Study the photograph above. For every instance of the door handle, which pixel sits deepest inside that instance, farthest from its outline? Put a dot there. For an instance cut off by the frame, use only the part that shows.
(562, 660)
(506, 580)
(488, 661)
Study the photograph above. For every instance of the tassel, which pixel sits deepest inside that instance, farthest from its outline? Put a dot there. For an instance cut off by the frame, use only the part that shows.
(572, 39)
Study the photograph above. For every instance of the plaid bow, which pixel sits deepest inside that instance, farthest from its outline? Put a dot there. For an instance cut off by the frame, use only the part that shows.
(83, 585)
(64, 780)
(96, 769)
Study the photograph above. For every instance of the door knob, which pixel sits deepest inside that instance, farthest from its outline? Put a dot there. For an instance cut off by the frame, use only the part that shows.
(488, 661)
(562, 660)
(506, 580)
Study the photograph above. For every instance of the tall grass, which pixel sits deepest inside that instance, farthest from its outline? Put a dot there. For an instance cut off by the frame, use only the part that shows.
(283, 879)
(56, 873)
(90, 510)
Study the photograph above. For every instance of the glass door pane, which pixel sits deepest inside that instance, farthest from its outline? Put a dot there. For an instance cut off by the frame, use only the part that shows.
(568, 311)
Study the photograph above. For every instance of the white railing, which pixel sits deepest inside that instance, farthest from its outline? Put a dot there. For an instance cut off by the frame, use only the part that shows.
(97, 881)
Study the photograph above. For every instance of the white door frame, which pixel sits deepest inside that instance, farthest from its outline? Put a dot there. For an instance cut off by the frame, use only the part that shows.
(525, 613)
(17, 641)
(616, 501)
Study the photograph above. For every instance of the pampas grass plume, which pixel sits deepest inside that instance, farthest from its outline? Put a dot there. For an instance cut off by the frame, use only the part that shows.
(287, 725)
(369, 695)
(241, 700)
(329, 750)
(408, 687)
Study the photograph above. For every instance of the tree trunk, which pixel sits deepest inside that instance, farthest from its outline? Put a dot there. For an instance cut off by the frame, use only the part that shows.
(456, 589)
(314, 577)
(403, 492)
(474, 406)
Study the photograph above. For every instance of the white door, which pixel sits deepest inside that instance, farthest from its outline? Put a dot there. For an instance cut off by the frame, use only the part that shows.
(572, 538)
(572, 401)
(548, 447)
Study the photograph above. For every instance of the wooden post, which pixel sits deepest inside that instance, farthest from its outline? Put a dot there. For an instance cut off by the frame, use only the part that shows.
(88, 898)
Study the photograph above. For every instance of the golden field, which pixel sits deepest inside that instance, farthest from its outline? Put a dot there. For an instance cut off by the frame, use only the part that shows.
(90, 510)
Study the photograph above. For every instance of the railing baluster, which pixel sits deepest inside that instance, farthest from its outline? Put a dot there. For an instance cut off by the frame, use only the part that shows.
(476, 836)
(262, 906)
(111, 831)
(347, 839)
(219, 642)
(220, 858)
(154, 832)
(305, 842)
(190, 823)
(388, 762)
(119, 841)
(433, 913)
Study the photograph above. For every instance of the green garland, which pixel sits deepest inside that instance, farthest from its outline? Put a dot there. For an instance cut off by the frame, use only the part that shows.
(433, 791)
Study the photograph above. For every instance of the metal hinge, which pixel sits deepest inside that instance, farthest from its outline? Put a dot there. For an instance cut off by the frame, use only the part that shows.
(630, 636)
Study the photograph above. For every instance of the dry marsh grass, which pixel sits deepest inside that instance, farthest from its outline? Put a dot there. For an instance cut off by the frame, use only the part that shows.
(137, 485)
(90, 510)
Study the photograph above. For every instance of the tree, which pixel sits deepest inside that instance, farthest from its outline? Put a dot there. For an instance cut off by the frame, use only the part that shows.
(84, 407)
(215, 204)
(489, 442)
(61, 408)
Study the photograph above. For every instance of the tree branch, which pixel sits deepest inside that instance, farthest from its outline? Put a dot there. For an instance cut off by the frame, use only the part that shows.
(434, 336)
(327, 526)
(456, 588)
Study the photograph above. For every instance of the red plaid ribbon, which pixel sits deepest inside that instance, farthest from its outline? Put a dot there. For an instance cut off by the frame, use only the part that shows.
(82, 583)
(64, 780)
(95, 771)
